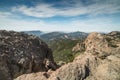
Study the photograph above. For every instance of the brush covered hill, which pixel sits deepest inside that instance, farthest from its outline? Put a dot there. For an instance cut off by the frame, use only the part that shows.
(60, 35)
(62, 49)
(21, 53)
(62, 44)
(100, 61)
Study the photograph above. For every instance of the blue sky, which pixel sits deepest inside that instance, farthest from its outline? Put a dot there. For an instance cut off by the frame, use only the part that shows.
(60, 15)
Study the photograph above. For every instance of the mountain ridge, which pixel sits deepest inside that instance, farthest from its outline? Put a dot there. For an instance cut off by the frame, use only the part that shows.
(34, 32)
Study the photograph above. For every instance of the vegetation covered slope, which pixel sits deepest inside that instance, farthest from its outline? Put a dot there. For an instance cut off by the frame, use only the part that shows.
(62, 44)
(62, 49)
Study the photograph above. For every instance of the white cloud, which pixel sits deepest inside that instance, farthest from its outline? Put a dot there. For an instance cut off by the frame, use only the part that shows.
(8, 23)
(42, 10)
(47, 10)
(94, 24)
(5, 14)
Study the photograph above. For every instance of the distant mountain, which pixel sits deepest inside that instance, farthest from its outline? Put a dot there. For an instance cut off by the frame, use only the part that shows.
(60, 35)
(57, 35)
(77, 35)
(52, 36)
(35, 33)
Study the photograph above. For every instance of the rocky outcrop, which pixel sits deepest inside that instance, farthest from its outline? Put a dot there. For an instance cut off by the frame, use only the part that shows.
(21, 53)
(100, 61)
(80, 47)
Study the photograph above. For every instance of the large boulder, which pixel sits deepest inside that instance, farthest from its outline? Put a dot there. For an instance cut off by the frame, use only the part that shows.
(21, 53)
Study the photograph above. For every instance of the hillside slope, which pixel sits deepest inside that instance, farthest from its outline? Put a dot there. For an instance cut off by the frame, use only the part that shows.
(62, 44)
(62, 49)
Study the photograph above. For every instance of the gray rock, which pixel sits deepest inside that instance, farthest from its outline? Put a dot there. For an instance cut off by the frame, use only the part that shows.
(21, 53)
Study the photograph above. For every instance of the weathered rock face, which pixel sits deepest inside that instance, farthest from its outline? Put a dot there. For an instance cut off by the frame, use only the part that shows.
(21, 53)
(103, 45)
(80, 47)
(100, 61)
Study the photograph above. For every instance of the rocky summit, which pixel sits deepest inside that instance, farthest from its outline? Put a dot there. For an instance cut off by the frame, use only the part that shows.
(21, 53)
(100, 61)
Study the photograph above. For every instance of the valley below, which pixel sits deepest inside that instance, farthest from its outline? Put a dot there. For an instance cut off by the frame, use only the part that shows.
(61, 43)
